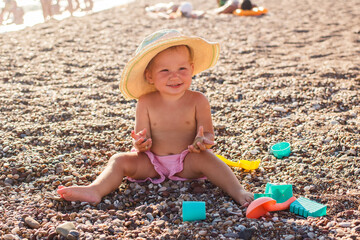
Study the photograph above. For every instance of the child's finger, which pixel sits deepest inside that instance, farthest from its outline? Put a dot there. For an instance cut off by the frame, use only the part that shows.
(196, 141)
(208, 142)
(133, 134)
(201, 146)
(147, 141)
(201, 132)
(143, 132)
(145, 146)
(193, 149)
(139, 141)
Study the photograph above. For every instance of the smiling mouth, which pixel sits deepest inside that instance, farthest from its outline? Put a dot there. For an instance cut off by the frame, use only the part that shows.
(175, 85)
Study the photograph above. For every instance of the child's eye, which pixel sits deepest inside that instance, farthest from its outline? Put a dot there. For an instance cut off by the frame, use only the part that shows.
(183, 68)
(164, 70)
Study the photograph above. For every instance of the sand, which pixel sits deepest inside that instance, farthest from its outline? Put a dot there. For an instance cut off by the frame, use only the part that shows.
(291, 75)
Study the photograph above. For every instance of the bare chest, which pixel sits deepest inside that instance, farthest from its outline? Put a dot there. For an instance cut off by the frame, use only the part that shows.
(173, 119)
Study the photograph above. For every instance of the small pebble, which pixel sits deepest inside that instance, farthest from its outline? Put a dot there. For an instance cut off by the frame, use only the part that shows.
(279, 109)
(311, 235)
(65, 228)
(9, 237)
(6, 149)
(202, 233)
(32, 222)
(344, 224)
(73, 235)
(289, 237)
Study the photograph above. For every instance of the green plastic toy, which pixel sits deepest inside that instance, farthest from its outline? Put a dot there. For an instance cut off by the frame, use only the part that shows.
(193, 210)
(281, 150)
(259, 195)
(281, 193)
(306, 207)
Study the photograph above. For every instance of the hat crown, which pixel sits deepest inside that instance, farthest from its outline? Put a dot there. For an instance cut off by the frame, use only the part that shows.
(157, 36)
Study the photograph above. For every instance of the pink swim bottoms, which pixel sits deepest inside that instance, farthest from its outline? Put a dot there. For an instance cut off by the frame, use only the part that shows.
(166, 166)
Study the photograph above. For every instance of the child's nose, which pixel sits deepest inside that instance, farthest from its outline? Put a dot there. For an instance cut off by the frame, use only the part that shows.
(174, 75)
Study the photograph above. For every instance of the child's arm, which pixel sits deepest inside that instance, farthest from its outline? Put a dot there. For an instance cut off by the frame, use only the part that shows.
(205, 130)
(142, 134)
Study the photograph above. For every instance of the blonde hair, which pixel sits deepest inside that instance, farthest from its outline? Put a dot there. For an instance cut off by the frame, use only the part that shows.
(176, 47)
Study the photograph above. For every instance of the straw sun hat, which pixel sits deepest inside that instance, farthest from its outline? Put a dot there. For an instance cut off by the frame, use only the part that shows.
(133, 83)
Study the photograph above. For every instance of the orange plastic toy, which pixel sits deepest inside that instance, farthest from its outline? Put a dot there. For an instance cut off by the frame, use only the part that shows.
(256, 11)
(263, 205)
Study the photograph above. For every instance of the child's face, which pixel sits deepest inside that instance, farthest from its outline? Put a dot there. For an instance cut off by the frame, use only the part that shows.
(171, 71)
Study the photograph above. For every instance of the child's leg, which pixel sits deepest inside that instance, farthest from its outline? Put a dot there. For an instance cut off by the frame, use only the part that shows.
(134, 165)
(77, 5)
(207, 164)
(89, 4)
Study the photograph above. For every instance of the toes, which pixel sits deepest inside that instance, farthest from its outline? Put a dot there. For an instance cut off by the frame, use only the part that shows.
(59, 192)
(63, 193)
(247, 200)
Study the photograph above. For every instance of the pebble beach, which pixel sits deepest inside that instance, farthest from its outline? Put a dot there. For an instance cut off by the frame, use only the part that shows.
(291, 75)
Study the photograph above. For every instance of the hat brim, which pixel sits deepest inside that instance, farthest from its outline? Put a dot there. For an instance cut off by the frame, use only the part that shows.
(133, 83)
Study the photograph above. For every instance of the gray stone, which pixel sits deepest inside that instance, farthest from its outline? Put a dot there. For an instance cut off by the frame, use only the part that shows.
(289, 237)
(356, 229)
(311, 235)
(150, 216)
(231, 235)
(246, 233)
(65, 228)
(73, 235)
(9, 181)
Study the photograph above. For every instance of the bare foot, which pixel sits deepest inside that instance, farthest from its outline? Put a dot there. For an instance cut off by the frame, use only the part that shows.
(245, 198)
(79, 193)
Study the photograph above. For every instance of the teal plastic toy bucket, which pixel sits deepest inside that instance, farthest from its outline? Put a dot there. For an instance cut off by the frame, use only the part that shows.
(281, 150)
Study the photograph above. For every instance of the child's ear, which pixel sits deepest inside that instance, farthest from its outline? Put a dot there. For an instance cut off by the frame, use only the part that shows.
(192, 68)
(148, 76)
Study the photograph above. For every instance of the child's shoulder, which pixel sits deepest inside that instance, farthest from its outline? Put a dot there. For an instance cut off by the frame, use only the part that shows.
(147, 97)
(198, 96)
(196, 93)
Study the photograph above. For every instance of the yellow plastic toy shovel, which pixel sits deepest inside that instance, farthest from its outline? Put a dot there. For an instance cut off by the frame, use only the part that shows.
(245, 164)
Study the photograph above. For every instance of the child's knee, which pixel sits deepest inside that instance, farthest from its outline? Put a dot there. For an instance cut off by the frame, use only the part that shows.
(116, 158)
(119, 160)
(197, 159)
(123, 162)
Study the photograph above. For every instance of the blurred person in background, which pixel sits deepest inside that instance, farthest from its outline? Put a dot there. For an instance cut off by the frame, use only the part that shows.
(46, 8)
(11, 9)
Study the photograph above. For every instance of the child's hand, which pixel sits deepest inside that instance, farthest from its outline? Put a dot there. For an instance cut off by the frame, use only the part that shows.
(140, 142)
(201, 143)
